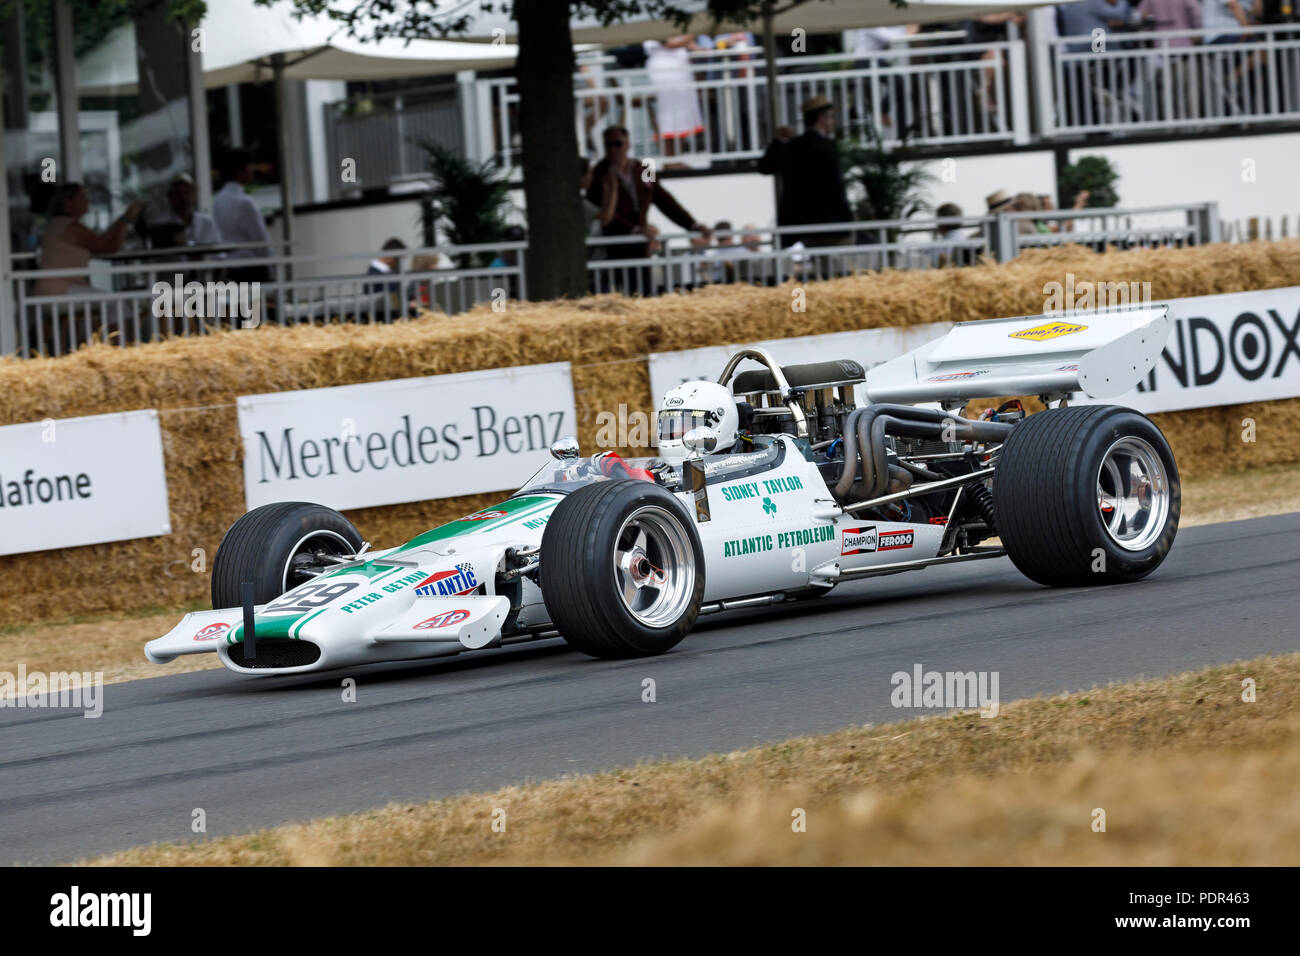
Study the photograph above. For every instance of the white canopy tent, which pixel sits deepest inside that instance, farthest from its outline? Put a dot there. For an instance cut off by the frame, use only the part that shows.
(814, 16)
(242, 42)
(240, 39)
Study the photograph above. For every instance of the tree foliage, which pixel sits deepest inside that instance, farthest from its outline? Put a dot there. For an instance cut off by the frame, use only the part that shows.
(468, 201)
(1093, 173)
(892, 180)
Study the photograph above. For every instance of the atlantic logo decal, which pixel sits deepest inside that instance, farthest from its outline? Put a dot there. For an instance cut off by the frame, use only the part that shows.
(456, 581)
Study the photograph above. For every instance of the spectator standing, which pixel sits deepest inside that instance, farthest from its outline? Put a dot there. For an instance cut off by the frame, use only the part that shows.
(238, 217)
(624, 188)
(677, 112)
(1080, 19)
(1227, 16)
(1174, 15)
(810, 178)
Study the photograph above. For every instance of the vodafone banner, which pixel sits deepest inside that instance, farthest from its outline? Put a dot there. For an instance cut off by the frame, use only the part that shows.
(72, 481)
(1224, 350)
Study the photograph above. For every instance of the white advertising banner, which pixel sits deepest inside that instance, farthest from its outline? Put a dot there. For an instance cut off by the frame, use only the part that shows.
(1223, 350)
(72, 481)
(869, 347)
(383, 443)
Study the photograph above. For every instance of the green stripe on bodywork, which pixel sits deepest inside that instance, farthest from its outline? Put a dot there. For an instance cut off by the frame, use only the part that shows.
(287, 626)
(297, 628)
(515, 509)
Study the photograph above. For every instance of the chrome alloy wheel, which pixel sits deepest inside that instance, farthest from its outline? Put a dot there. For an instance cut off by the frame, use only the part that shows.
(653, 566)
(1133, 493)
(306, 560)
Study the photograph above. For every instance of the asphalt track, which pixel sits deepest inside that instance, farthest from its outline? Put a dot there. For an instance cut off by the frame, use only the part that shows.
(254, 753)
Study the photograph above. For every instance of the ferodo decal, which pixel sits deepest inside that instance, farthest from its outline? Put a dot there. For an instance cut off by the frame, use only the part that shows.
(441, 619)
(1050, 330)
(455, 581)
(859, 540)
(868, 539)
(212, 632)
(894, 540)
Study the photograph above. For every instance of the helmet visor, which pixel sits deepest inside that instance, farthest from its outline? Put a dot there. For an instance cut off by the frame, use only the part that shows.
(674, 423)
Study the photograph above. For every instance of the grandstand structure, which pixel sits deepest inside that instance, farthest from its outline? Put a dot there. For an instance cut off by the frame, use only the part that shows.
(1002, 114)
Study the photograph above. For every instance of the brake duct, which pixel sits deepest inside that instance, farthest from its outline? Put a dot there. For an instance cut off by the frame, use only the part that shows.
(864, 440)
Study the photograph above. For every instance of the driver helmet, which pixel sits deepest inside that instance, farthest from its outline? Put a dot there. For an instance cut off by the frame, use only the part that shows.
(692, 405)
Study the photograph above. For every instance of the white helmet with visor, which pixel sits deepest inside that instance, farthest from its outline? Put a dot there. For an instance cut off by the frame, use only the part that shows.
(694, 405)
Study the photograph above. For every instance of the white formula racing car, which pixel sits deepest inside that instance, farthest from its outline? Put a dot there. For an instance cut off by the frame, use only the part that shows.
(771, 485)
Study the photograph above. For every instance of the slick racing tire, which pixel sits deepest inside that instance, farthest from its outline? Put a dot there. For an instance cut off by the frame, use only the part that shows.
(273, 547)
(1086, 495)
(622, 572)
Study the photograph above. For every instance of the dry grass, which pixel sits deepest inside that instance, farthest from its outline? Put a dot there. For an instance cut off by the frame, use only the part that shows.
(114, 643)
(194, 383)
(1186, 772)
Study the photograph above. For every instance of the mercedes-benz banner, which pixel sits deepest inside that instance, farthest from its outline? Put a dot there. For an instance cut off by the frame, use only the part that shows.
(357, 446)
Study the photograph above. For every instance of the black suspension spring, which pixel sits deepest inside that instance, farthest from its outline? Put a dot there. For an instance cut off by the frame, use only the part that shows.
(983, 499)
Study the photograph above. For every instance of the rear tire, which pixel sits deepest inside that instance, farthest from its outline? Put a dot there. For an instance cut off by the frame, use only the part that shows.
(271, 545)
(1086, 495)
(622, 570)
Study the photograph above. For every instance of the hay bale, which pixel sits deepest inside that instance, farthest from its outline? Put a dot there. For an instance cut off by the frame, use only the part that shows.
(194, 383)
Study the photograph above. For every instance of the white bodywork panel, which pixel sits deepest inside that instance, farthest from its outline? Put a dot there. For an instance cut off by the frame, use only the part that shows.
(1100, 353)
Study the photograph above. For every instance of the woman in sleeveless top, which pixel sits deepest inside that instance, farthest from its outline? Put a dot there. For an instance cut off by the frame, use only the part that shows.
(68, 244)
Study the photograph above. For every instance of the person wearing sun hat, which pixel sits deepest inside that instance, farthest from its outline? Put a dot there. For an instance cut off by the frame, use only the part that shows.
(999, 201)
(811, 181)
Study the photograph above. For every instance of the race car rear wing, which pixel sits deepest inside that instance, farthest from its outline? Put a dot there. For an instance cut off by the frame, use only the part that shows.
(1102, 354)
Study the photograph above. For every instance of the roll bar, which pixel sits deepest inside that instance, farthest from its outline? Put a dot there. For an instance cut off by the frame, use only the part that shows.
(765, 357)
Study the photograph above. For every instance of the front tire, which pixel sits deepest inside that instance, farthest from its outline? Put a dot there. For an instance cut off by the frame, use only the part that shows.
(622, 570)
(275, 547)
(1087, 495)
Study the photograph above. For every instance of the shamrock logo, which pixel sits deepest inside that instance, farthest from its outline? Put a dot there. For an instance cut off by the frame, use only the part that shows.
(768, 506)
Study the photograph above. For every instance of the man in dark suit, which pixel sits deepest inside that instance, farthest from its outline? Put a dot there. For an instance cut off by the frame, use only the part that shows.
(811, 181)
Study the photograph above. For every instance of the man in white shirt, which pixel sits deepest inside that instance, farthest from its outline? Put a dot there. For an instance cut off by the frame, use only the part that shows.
(174, 220)
(1227, 16)
(238, 217)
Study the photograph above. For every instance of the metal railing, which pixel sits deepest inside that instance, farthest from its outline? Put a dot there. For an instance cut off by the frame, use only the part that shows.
(1146, 81)
(944, 96)
(385, 132)
(948, 95)
(153, 299)
(159, 299)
